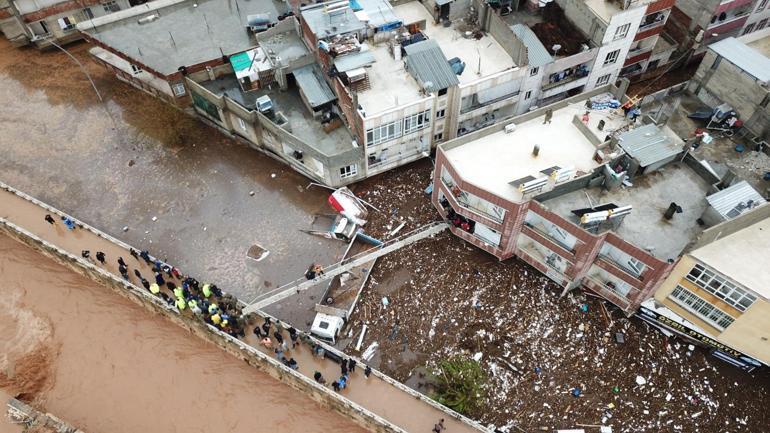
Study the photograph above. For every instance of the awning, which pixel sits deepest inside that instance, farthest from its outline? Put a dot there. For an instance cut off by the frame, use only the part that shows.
(313, 86)
(354, 61)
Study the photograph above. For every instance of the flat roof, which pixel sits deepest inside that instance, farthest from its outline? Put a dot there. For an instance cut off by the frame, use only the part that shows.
(185, 32)
(744, 57)
(494, 161)
(742, 256)
(493, 57)
(650, 195)
(735, 200)
(390, 84)
(331, 18)
(650, 144)
(287, 46)
(762, 45)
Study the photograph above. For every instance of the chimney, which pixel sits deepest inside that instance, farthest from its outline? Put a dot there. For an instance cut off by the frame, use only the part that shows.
(672, 209)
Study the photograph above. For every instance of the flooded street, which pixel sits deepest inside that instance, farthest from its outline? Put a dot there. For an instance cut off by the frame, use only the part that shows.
(134, 158)
(104, 364)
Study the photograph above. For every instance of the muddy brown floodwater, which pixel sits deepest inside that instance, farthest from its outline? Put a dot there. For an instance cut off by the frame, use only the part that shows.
(104, 364)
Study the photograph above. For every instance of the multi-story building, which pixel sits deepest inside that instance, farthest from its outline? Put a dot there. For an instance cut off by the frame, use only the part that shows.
(586, 196)
(42, 21)
(350, 89)
(697, 23)
(736, 71)
(718, 294)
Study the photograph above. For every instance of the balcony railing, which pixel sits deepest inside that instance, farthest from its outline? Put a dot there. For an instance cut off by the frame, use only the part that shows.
(479, 105)
(573, 77)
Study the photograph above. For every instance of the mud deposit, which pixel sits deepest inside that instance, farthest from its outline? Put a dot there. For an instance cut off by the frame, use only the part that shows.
(102, 363)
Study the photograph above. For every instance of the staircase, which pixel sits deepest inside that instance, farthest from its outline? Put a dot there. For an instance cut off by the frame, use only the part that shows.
(302, 283)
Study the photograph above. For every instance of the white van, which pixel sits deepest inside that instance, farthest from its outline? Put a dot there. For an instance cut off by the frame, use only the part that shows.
(327, 327)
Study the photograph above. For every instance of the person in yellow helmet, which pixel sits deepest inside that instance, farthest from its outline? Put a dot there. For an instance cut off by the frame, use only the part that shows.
(181, 304)
(154, 288)
(216, 319)
(213, 308)
(207, 290)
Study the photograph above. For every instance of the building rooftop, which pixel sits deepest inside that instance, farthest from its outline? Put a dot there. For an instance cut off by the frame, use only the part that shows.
(735, 200)
(331, 18)
(289, 102)
(391, 85)
(183, 32)
(750, 60)
(650, 144)
(649, 196)
(495, 161)
(762, 44)
(310, 79)
(742, 256)
(427, 64)
(470, 50)
(537, 55)
(287, 46)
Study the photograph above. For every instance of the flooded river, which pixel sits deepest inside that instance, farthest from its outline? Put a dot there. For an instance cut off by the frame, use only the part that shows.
(104, 364)
(121, 163)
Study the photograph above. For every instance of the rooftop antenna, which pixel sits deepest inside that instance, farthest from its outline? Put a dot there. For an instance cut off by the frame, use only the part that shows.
(173, 42)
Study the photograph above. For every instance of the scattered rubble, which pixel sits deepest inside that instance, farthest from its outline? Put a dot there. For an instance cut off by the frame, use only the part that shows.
(447, 298)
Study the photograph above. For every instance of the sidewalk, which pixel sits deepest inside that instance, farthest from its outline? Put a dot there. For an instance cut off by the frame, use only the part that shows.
(379, 394)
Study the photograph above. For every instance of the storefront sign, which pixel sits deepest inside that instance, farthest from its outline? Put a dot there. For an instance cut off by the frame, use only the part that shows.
(737, 358)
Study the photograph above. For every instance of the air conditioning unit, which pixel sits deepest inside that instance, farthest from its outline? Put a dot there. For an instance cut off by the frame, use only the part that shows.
(510, 128)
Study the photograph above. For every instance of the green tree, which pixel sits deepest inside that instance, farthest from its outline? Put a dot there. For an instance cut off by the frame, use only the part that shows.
(459, 384)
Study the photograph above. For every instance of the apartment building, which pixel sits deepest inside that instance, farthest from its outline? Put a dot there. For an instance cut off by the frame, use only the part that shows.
(588, 197)
(717, 294)
(736, 71)
(41, 21)
(695, 24)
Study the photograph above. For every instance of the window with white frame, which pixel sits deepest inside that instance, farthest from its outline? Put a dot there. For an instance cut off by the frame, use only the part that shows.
(761, 25)
(719, 286)
(762, 5)
(348, 171)
(612, 57)
(528, 94)
(179, 89)
(440, 113)
(604, 79)
(135, 69)
(533, 72)
(416, 122)
(67, 23)
(383, 133)
(749, 28)
(439, 136)
(111, 6)
(241, 123)
(87, 14)
(621, 32)
(701, 308)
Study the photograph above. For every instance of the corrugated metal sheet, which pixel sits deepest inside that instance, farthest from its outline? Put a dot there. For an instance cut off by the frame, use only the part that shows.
(728, 201)
(313, 86)
(352, 61)
(380, 12)
(744, 57)
(536, 52)
(649, 144)
(427, 64)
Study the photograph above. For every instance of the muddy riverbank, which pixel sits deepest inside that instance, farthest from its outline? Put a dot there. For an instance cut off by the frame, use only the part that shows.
(112, 366)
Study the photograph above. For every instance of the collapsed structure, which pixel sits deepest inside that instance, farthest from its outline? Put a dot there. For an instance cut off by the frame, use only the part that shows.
(348, 89)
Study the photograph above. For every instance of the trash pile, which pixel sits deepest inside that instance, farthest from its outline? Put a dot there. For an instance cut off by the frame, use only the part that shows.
(553, 363)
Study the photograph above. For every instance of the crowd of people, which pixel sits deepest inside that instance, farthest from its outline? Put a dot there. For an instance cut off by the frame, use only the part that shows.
(219, 309)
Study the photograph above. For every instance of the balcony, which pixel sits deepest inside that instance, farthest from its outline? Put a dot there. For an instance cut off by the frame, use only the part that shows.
(619, 267)
(479, 105)
(600, 289)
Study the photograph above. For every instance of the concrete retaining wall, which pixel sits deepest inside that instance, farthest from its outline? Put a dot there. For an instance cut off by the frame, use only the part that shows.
(237, 348)
(22, 413)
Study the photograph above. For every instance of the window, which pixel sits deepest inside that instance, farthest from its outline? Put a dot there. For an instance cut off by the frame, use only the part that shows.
(87, 14)
(111, 6)
(528, 94)
(383, 133)
(242, 124)
(621, 32)
(533, 72)
(717, 285)
(604, 79)
(440, 114)
(698, 306)
(416, 122)
(135, 69)
(179, 89)
(611, 58)
(438, 137)
(348, 171)
(761, 25)
(762, 5)
(66, 23)
(749, 28)
(442, 92)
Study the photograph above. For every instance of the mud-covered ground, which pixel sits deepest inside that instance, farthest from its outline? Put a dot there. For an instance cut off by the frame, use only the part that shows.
(447, 297)
(181, 188)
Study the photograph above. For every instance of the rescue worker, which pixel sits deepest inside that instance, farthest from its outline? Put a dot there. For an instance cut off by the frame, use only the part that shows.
(216, 319)
(206, 290)
(181, 304)
(154, 288)
(213, 308)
